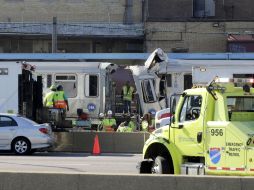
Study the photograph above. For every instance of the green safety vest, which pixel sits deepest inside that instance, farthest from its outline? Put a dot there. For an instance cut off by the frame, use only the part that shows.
(48, 100)
(108, 123)
(144, 125)
(127, 93)
(123, 128)
(59, 96)
(59, 100)
(153, 122)
(130, 128)
(132, 125)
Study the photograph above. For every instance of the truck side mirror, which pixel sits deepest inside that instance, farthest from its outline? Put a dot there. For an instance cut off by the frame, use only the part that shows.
(199, 137)
(173, 119)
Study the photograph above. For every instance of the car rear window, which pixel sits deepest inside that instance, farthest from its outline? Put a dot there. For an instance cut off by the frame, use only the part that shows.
(28, 120)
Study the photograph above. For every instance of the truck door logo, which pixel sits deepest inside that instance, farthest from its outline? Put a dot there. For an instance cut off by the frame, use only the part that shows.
(215, 155)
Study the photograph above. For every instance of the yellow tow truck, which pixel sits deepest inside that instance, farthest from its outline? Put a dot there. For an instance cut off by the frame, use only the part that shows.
(211, 133)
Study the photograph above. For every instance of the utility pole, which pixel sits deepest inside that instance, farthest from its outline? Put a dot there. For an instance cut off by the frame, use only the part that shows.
(128, 12)
(54, 35)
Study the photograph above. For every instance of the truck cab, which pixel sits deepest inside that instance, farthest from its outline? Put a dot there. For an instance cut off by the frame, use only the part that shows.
(211, 132)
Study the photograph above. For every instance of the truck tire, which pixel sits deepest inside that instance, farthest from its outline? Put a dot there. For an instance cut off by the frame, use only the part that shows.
(160, 166)
(145, 167)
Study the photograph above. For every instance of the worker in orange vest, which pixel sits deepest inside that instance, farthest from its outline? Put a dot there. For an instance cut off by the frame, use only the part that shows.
(109, 123)
(60, 99)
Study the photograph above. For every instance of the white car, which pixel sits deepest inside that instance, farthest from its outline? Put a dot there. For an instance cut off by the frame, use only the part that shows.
(23, 136)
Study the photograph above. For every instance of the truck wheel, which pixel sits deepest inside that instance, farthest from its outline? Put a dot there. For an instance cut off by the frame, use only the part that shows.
(21, 146)
(160, 166)
(145, 167)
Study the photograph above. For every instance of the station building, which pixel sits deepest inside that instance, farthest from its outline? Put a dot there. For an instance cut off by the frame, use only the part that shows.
(126, 26)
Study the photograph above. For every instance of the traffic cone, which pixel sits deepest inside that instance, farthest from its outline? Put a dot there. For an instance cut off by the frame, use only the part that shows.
(96, 146)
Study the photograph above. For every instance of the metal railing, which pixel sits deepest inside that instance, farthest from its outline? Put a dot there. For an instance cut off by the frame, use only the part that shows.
(73, 29)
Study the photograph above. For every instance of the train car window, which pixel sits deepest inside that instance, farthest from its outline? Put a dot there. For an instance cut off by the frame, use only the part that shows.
(169, 80)
(187, 81)
(91, 85)
(69, 83)
(147, 89)
(49, 81)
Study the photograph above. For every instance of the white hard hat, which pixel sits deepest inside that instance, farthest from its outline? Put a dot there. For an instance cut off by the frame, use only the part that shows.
(110, 112)
(101, 115)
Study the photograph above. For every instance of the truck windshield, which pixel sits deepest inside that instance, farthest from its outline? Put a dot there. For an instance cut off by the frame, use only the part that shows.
(238, 105)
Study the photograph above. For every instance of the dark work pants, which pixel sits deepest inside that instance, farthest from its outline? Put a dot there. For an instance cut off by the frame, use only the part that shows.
(127, 106)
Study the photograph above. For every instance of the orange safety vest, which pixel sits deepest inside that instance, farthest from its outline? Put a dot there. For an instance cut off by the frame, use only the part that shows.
(59, 101)
(108, 123)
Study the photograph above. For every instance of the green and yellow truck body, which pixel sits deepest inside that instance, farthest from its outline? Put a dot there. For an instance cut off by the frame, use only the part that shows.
(212, 131)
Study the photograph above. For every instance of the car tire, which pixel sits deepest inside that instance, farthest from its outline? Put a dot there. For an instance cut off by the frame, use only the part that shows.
(21, 146)
(160, 166)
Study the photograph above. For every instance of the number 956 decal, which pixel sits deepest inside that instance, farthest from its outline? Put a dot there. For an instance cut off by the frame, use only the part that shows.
(216, 132)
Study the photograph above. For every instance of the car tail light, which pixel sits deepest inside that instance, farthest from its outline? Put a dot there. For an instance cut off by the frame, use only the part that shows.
(44, 130)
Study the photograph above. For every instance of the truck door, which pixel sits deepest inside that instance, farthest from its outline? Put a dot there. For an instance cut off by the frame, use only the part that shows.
(215, 145)
(239, 108)
(225, 149)
(234, 152)
(189, 131)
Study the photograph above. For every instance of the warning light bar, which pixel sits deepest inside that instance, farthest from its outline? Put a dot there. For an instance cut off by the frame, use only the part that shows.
(223, 80)
(244, 80)
(216, 88)
(235, 80)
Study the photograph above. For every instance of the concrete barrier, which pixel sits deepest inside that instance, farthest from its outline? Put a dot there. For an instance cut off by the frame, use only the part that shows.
(129, 142)
(109, 142)
(82, 142)
(64, 142)
(42, 181)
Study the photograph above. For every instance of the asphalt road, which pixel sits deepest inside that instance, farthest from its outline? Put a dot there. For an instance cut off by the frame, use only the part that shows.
(71, 163)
